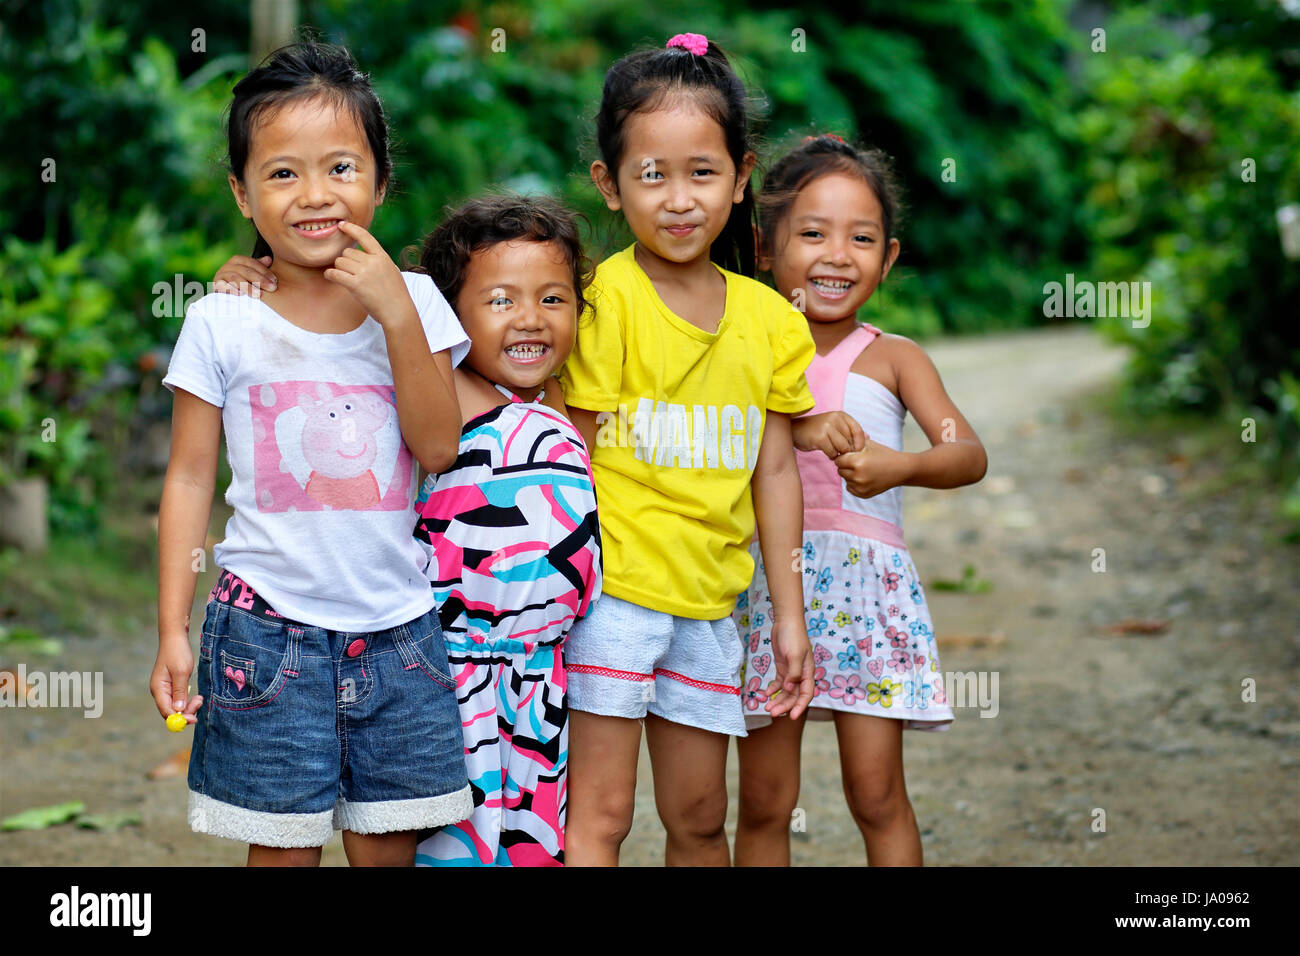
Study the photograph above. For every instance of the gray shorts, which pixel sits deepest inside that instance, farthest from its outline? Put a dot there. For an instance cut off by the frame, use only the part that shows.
(625, 660)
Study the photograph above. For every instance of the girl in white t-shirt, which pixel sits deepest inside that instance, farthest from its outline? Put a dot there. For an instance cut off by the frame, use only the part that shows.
(324, 699)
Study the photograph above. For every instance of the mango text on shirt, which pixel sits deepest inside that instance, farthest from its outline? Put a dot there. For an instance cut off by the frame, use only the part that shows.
(668, 435)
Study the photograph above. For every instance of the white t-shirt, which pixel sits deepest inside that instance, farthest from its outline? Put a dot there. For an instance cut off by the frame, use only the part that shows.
(322, 484)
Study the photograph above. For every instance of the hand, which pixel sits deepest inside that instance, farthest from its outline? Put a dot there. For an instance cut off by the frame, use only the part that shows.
(244, 275)
(370, 275)
(792, 654)
(832, 433)
(169, 683)
(875, 469)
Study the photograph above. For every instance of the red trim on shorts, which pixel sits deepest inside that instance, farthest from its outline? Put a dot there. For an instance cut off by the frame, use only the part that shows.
(635, 676)
(700, 684)
(606, 672)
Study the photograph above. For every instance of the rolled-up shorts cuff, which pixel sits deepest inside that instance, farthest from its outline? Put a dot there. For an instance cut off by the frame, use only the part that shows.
(284, 830)
(388, 816)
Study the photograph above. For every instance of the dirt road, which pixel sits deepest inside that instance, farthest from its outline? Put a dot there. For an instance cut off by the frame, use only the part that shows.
(1148, 735)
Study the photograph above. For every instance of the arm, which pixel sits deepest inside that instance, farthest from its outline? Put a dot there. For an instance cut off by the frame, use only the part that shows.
(182, 530)
(778, 505)
(956, 456)
(426, 398)
(832, 433)
(585, 421)
(426, 402)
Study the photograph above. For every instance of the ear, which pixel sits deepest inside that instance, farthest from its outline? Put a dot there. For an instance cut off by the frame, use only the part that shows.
(742, 175)
(607, 184)
(381, 192)
(241, 196)
(890, 256)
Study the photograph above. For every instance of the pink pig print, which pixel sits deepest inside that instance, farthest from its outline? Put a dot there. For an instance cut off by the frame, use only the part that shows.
(340, 448)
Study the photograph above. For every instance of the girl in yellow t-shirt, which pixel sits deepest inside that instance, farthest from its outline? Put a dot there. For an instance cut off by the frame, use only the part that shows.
(683, 383)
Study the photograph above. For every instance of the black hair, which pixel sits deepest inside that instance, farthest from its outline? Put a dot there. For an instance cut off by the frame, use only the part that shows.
(301, 70)
(641, 81)
(489, 220)
(819, 156)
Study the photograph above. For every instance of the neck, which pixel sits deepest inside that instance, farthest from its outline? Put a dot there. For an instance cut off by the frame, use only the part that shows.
(304, 280)
(827, 335)
(527, 392)
(312, 301)
(660, 269)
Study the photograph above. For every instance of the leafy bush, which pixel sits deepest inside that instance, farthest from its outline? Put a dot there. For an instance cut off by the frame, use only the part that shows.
(1191, 152)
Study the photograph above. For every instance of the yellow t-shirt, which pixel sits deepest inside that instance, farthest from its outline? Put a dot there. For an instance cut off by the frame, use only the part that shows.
(683, 415)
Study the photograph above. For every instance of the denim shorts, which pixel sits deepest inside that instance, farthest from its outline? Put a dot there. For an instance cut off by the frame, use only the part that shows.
(305, 730)
(625, 660)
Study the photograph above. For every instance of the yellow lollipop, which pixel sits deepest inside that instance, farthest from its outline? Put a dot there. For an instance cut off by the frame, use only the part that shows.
(176, 722)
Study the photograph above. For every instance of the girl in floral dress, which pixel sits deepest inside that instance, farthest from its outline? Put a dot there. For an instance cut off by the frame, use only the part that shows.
(828, 214)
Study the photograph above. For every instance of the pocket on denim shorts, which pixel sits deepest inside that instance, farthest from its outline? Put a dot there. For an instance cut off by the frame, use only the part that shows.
(420, 644)
(248, 657)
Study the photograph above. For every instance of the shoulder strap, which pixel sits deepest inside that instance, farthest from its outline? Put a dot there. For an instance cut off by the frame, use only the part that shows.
(515, 398)
(828, 373)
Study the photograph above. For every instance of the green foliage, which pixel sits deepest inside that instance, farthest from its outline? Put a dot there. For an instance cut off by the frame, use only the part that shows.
(1191, 151)
(1124, 164)
(110, 108)
(980, 85)
(78, 328)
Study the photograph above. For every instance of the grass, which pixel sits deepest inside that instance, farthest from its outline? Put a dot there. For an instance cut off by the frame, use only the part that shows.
(84, 584)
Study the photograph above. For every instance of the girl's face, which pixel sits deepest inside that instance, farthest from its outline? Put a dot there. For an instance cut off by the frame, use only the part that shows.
(520, 310)
(309, 167)
(831, 245)
(676, 183)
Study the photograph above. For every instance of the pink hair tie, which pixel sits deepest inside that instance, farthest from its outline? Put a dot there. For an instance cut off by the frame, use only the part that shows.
(697, 43)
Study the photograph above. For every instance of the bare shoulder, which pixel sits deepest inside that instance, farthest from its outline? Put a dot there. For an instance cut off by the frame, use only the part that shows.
(889, 359)
(904, 356)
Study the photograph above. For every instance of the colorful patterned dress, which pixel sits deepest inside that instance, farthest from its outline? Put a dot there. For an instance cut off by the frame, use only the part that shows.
(516, 560)
(873, 645)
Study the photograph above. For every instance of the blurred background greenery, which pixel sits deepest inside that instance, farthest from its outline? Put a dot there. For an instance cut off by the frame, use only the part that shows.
(1126, 164)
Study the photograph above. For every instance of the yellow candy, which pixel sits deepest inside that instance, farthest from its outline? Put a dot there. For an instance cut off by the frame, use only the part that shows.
(176, 722)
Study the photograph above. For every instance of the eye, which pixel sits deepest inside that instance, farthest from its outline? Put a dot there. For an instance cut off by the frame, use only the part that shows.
(703, 172)
(811, 234)
(863, 239)
(287, 173)
(334, 414)
(501, 302)
(342, 168)
(553, 299)
(347, 407)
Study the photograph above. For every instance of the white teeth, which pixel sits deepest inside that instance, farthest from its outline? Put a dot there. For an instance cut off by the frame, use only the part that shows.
(832, 285)
(525, 351)
(316, 226)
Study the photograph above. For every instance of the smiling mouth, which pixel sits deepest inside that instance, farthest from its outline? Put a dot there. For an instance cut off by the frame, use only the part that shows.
(526, 352)
(343, 454)
(683, 229)
(317, 226)
(831, 288)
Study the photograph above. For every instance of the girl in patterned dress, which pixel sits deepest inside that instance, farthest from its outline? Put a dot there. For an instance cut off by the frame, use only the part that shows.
(828, 214)
(512, 524)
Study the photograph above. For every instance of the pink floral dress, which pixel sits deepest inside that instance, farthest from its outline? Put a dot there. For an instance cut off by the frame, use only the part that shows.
(873, 644)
